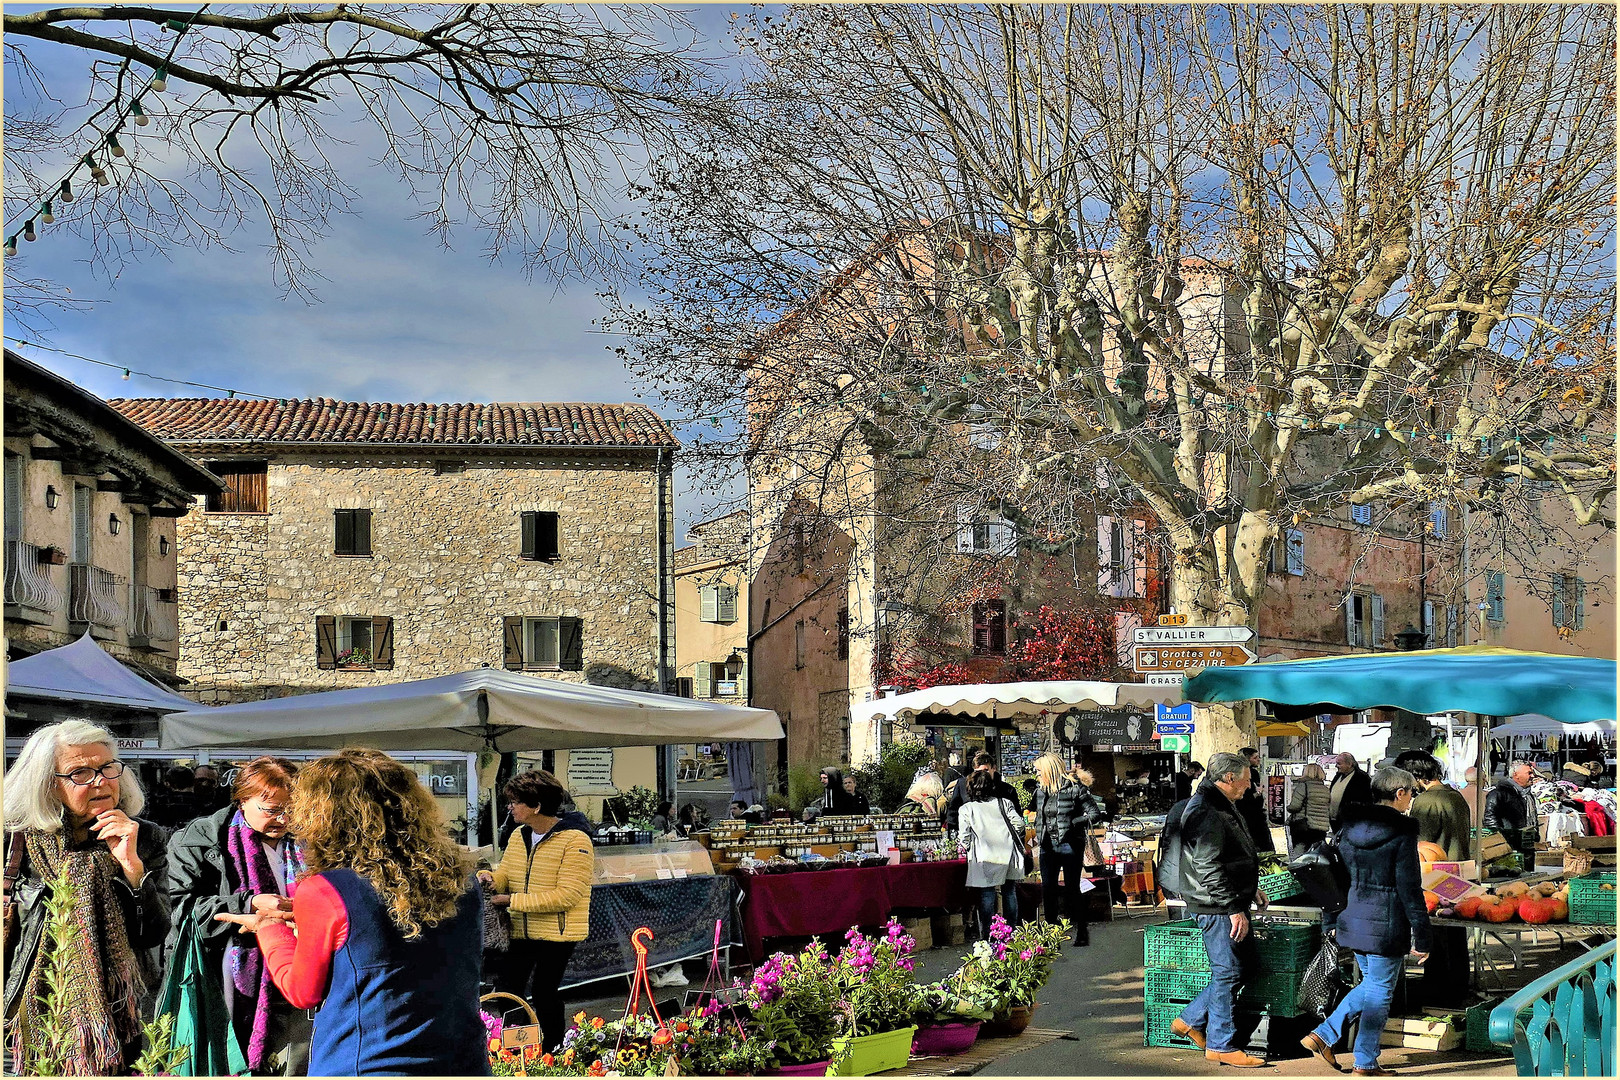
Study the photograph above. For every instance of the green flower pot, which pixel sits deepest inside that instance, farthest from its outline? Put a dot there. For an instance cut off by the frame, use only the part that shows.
(871, 1054)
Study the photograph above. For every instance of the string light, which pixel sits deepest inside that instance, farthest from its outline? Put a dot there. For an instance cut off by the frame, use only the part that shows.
(28, 231)
(160, 80)
(66, 190)
(141, 119)
(128, 371)
(11, 245)
(114, 145)
(45, 214)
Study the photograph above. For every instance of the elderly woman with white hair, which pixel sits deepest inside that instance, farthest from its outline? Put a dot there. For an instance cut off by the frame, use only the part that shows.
(71, 808)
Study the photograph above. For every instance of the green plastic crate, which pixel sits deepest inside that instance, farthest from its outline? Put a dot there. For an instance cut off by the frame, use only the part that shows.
(1179, 945)
(1477, 1026)
(1156, 1025)
(1280, 885)
(1276, 992)
(1589, 903)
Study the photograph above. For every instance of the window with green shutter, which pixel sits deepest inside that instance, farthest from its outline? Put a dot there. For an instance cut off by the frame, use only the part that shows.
(540, 535)
(352, 532)
(1495, 595)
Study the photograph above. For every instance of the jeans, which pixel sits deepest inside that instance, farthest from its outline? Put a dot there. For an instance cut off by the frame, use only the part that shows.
(987, 905)
(1074, 908)
(545, 962)
(1370, 998)
(1232, 964)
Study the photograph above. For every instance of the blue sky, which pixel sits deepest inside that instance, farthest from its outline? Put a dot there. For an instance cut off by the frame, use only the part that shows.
(400, 317)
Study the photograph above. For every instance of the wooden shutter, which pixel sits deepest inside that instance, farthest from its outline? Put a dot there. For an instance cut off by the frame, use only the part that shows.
(252, 497)
(998, 626)
(1296, 552)
(82, 504)
(964, 530)
(16, 482)
(548, 538)
(709, 603)
(1361, 513)
(700, 680)
(530, 529)
(1451, 626)
(1105, 578)
(382, 642)
(1559, 614)
(343, 532)
(843, 633)
(742, 681)
(1580, 603)
(326, 641)
(1495, 588)
(571, 644)
(726, 603)
(1428, 624)
(362, 532)
(512, 642)
(1352, 604)
(1377, 621)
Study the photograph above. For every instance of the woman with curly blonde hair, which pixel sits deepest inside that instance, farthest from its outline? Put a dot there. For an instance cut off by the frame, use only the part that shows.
(390, 930)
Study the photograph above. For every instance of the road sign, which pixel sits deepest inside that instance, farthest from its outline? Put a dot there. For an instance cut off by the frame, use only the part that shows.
(1180, 744)
(1175, 714)
(1158, 678)
(1174, 727)
(1191, 635)
(1172, 620)
(1184, 658)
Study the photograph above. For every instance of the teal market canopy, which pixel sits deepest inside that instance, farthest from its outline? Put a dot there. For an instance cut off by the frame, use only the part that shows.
(1480, 679)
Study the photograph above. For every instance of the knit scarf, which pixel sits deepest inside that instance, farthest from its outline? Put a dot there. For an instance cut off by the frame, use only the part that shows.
(249, 973)
(98, 981)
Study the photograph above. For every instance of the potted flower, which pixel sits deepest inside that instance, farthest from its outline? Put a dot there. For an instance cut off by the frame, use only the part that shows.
(948, 1015)
(1010, 968)
(797, 1012)
(713, 1041)
(354, 658)
(875, 975)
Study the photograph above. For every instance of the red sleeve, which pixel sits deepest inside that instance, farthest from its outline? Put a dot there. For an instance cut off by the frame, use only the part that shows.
(301, 964)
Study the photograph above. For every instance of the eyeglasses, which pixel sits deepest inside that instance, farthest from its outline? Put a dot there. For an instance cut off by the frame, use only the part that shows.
(273, 811)
(85, 775)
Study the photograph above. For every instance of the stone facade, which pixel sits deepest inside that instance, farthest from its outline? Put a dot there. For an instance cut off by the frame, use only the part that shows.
(445, 566)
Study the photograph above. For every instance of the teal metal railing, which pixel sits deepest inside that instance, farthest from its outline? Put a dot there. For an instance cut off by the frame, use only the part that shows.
(1563, 1023)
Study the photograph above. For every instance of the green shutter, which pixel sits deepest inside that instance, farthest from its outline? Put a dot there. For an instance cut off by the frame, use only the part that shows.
(1580, 603)
(709, 603)
(700, 680)
(1559, 615)
(529, 549)
(725, 603)
(571, 644)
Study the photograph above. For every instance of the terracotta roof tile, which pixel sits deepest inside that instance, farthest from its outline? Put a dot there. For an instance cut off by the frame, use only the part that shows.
(327, 421)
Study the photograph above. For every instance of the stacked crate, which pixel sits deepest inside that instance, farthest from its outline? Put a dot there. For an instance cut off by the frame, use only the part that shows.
(1177, 970)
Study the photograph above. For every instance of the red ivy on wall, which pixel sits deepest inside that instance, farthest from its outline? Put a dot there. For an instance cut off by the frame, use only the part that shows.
(1055, 646)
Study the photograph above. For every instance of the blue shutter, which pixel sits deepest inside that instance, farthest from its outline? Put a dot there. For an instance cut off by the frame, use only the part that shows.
(1495, 588)
(1361, 513)
(1296, 552)
(1580, 603)
(1558, 600)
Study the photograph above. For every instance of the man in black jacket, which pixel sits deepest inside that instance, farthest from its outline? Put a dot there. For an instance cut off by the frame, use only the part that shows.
(982, 762)
(1510, 809)
(1252, 807)
(1351, 787)
(1211, 863)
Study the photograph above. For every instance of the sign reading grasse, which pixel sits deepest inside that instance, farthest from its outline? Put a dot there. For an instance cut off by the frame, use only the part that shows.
(1148, 658)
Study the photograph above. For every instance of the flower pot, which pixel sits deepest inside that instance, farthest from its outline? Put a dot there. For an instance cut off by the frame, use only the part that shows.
(1005, 1026)
(869, 1054)
(809, 1068)
(943, 1040)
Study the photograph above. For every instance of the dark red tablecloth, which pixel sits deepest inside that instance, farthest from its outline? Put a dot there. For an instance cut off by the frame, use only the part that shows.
(831, 901)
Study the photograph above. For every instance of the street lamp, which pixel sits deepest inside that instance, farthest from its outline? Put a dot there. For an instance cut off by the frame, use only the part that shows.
(1410, 639)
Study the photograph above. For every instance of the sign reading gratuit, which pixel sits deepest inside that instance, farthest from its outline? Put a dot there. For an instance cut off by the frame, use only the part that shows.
(590, 771)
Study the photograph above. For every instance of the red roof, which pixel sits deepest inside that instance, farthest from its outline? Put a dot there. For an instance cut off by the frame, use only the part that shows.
(326, 421)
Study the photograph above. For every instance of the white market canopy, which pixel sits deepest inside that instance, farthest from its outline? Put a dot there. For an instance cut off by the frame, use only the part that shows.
(483, 709)
(1021, 700)
(84, 672)
(1536, 724)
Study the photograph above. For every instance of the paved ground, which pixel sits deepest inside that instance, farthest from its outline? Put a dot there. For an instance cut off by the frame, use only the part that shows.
(1096, 995)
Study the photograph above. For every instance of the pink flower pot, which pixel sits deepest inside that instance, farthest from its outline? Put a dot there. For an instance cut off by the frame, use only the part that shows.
(943, 1040)
(809, 1068)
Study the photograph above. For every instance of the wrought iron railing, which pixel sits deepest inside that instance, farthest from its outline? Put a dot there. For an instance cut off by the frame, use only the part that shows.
(28, 579)
(94, 596)
(151, 618)
(1563, 1023)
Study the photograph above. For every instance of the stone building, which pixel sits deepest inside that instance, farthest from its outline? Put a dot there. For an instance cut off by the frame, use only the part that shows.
(91, 505)
(711, 626)
(362, 543)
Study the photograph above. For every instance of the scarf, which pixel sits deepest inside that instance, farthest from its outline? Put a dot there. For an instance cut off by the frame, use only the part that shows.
(249, 973)
(98, 977)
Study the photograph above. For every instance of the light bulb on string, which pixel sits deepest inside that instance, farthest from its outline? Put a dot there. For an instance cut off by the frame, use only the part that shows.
(28, 231)
(160, 80)
(126, 375)
(45, 214)
(97, 173)
(141, 119)
(11, 245)
(115, 146)
(66, 190)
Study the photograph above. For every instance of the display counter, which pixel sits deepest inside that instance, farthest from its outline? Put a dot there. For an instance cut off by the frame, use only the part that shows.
(659, 860)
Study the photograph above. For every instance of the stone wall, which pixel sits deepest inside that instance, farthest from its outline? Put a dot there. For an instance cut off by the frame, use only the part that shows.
(445, 566)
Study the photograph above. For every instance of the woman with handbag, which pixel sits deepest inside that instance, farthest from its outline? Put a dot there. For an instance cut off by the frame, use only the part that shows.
(1060, 827)
(71, 807)
(240, 859)
(997, 856)
(1308, 810)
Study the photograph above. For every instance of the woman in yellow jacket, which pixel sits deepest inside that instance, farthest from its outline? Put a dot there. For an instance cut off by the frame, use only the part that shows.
(545, 880)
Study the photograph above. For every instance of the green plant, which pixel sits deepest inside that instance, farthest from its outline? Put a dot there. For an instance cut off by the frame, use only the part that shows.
(798, 1007)
(640, 804)
(47, 1051)
(886, 779)
(874, 975)
(1010, 966)
(949, 1002)
(804, 786)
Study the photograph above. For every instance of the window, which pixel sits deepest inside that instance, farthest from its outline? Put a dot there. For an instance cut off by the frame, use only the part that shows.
(1430, 607)
(352, 532)
(992, 536)
(1495, 596)
(83, 500)
(1451, 626)
(16, 481)
(1121, 557)
(244, 487)
(1439, 520)
(541, 535)
(800, 545)
(717, 603)
(1287, 554)
(1364, 620)
(354, 642)
(683, 686)
(1361, 513)
(1569, 602)
(542, 643)
(989, 628)
(843, 633)
(798, 644)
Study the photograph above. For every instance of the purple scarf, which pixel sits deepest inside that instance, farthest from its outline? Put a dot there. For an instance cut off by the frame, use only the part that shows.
(249, 972)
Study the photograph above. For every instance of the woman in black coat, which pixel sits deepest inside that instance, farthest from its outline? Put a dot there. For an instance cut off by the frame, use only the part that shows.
(1384, 918)
(1064, 809)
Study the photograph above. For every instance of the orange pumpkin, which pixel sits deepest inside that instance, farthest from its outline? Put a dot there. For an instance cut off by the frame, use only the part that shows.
(1560, 910)
(1430, 853)
(1535, 910)
(1468, 907)
(1497, 913)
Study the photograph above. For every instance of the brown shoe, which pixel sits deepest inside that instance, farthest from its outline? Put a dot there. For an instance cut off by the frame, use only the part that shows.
(1376, 1070)
(1178, 1026)
(1235, 1058)
(1313, 1042)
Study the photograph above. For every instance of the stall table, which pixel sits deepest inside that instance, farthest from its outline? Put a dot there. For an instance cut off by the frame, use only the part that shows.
(681, 913)
(1500, 931)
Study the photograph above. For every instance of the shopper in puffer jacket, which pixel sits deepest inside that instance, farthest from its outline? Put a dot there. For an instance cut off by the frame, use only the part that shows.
(1384, 918)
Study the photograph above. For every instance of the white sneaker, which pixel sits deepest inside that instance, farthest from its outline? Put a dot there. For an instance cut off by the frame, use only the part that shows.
(670, 976)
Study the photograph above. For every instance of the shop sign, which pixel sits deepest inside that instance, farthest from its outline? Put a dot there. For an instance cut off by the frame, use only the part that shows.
(137, 744)
(1104, 727)
(590, 771)
(445, 779)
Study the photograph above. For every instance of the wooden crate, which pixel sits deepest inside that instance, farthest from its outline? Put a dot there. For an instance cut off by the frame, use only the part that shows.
(948, 931)
(922, 930)
(1424, 1033)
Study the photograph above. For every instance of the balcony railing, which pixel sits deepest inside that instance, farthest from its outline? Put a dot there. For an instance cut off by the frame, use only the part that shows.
(151, 618)
(28, 580)
(1563, 1023)
(95, 597)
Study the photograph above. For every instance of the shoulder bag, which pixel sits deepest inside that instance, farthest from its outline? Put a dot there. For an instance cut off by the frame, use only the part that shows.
(1321, 872)
(1018, 838)
(14, 855)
